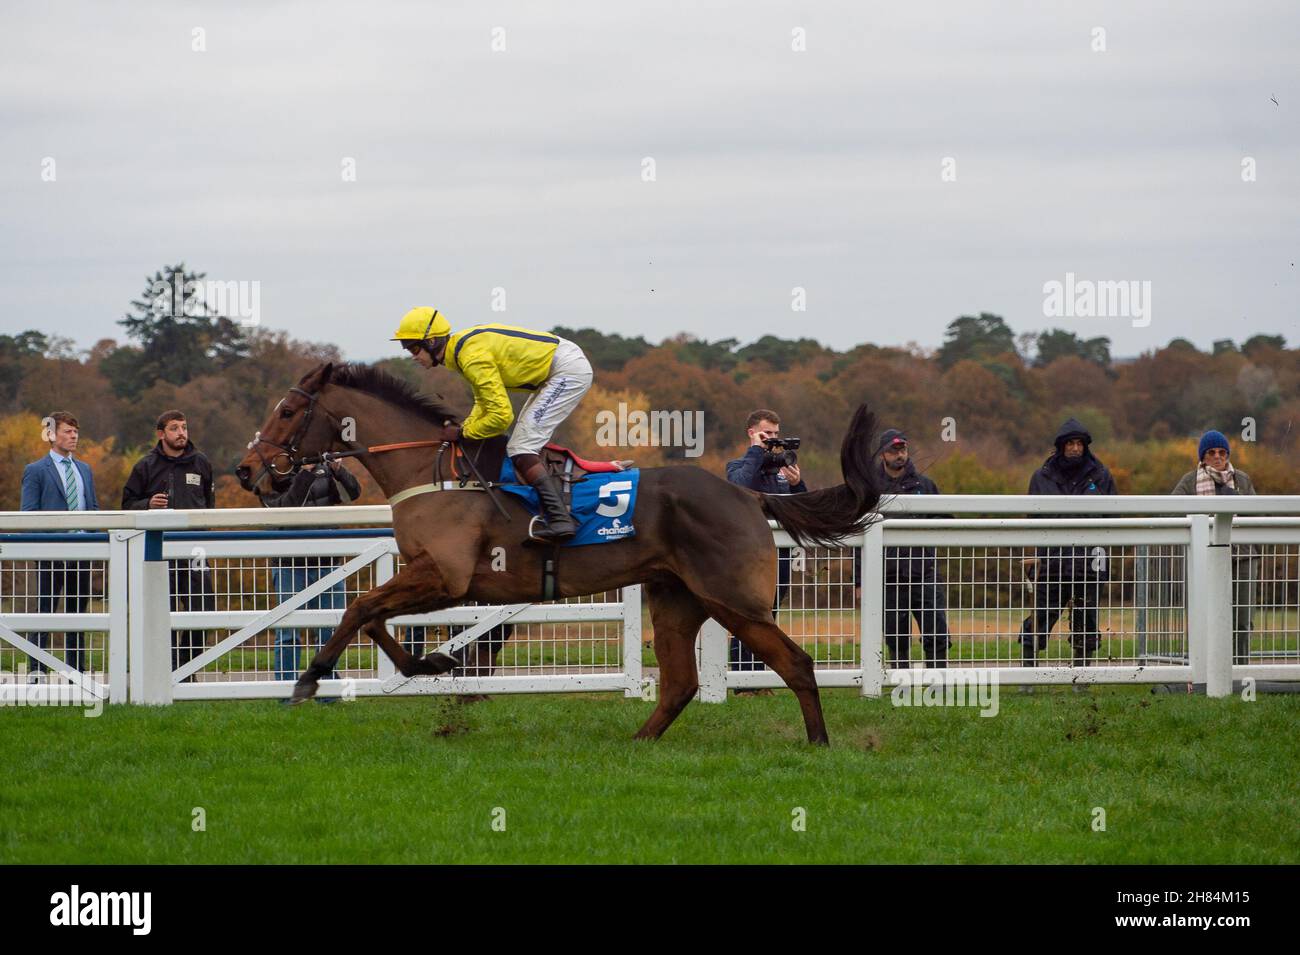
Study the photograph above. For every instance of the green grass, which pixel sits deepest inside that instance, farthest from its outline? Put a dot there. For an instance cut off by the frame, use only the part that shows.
(1182, 779)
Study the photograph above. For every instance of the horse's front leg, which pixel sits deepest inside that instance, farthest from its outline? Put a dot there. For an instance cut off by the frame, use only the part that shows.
(417, 588)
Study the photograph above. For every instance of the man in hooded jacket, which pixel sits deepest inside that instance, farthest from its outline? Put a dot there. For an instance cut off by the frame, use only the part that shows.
(175, 474)
(1068, 574)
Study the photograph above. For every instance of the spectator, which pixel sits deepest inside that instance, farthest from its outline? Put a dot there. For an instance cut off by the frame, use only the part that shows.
(1215, 475)
(177, 475)
(321, 486)
(1068, 574)
(756, 472)
(912, 587)
(58, 482)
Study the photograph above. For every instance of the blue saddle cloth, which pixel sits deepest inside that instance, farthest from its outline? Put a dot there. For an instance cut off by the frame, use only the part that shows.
(602, 504)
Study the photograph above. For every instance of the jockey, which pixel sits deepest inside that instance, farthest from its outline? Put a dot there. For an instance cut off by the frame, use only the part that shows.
(496, 358)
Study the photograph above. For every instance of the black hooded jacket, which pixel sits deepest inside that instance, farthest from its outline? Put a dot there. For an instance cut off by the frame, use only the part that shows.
(186, 479)
(1090, 476)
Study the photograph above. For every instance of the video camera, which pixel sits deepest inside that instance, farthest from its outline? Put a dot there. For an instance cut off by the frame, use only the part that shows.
(780, 453)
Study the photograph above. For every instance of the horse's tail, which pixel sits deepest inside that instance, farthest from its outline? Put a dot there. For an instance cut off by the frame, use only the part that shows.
(825, 517)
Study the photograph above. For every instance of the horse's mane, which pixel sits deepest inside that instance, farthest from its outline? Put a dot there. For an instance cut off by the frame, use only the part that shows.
(380, 384)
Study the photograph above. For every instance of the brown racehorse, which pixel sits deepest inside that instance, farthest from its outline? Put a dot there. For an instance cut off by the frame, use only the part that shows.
(702, 546)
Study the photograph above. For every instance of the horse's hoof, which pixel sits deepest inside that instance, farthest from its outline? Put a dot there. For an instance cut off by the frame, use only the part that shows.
(439, 663)
(302, 692)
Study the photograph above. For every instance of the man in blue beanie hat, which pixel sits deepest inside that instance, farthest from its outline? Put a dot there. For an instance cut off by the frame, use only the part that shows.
(1215, 475)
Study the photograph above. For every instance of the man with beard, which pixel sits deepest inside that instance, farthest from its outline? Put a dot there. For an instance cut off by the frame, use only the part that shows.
(912, 585)
(175, 474)
(1070, 574)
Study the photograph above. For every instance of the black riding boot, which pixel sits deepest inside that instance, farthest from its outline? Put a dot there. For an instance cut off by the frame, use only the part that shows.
(937, 657)
(559, 524)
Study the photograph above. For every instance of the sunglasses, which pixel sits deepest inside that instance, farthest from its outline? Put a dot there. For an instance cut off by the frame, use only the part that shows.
(412, 347)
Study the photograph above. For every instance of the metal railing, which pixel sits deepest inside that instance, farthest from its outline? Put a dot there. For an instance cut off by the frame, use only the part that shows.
(177, 605)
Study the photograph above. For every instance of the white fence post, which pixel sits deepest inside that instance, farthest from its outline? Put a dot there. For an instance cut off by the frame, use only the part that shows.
(150, 620)
(1198, 607)
(632, 640)
(713, 643)
(119, 631)
(872, 610)
(1219, 648)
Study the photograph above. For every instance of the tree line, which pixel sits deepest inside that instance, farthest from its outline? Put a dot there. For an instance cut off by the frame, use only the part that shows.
(981, 410)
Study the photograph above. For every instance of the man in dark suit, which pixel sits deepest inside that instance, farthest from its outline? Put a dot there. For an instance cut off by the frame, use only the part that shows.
(59, 482)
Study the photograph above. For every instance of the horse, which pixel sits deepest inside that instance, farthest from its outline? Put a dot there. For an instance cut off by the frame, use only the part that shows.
(702, 546)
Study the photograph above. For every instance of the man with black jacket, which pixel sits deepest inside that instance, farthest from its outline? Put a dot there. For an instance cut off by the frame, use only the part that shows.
(321, 486)
(912, 585)
(175, 474)
(1068, 574)
(754, 472)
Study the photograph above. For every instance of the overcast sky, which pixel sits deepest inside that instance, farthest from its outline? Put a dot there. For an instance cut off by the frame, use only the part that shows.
(775, 168)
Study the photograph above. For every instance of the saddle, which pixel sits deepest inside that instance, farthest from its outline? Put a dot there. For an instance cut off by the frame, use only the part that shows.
(566, 465)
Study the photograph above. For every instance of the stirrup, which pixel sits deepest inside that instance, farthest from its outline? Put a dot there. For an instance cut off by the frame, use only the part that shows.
(534, 539)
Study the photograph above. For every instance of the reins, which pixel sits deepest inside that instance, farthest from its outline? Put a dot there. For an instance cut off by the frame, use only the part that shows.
(288, 451)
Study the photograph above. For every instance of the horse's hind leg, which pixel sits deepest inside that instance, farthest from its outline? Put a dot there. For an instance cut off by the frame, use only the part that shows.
(407, 663)
(417, 588)
(783, 655)
(677, 615)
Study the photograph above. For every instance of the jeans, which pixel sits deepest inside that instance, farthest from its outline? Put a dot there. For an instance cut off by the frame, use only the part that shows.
(289, 580)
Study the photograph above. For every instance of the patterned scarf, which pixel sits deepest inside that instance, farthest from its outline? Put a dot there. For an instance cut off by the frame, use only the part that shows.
(1207, 478)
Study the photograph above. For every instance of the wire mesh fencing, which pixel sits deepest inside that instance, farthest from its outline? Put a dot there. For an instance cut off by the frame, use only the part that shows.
(52, 587)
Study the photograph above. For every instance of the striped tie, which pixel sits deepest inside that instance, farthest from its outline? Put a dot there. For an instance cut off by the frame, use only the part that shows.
(69, 484)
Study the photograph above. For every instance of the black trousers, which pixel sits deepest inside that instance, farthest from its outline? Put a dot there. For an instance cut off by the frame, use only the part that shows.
(191, 591)
(923, 599)
(741, 657)
(1050, 598)
(71, 578)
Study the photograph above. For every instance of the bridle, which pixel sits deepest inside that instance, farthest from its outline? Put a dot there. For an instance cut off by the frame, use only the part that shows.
(284, 451)
(288, 452)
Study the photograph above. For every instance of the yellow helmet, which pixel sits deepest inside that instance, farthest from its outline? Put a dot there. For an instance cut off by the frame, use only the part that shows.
(420, 324)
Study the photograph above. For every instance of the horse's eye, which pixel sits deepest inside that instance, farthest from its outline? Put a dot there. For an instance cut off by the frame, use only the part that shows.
(286, 413)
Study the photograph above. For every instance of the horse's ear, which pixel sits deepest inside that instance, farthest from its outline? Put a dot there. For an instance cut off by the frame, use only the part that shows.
(315, 380)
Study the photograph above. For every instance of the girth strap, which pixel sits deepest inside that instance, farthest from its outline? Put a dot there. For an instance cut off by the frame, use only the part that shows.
(410, 492)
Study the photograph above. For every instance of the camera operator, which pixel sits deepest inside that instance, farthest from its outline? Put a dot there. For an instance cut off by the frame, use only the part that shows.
(770, 465)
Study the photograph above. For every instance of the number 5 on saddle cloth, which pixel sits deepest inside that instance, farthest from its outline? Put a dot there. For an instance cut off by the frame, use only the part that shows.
(602, 504)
